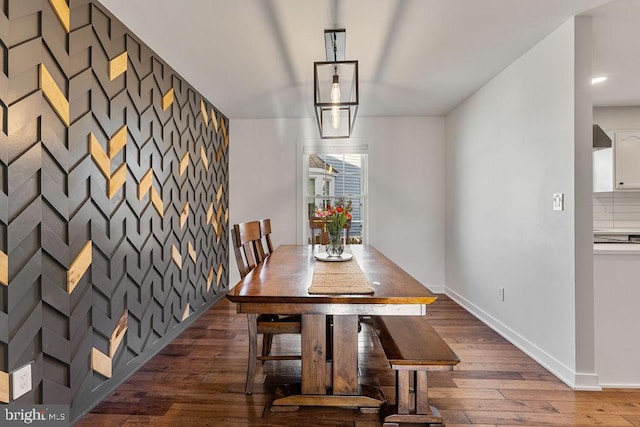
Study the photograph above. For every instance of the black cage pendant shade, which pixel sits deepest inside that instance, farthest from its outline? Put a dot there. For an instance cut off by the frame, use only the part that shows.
(335, 83)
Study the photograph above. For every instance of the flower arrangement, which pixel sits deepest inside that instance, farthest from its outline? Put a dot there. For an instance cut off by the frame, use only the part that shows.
(335, 217)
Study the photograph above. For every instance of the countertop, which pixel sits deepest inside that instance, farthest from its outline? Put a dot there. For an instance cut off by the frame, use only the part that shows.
(614, 231)
(616, 249)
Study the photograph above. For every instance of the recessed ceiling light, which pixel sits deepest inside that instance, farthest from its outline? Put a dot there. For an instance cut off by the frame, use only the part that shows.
(597, 80)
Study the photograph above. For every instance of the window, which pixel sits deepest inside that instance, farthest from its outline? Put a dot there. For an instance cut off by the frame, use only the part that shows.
(333, 175)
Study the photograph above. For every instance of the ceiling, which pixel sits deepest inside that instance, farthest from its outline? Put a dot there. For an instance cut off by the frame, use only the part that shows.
(616, 53)
(254, 58)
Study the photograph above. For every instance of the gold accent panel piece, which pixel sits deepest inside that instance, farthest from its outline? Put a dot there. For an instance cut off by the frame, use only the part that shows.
(99, 156)
(184, 163)
(157, 202)
(186, 312)
(217, 227)
(219, 213)
(103, 363)
(224, 133)
(214, 224)
(117, 180)
(118, 65)
(226, 216)
(54, 95)
(203, 110)
(118, 333)
(219, 276)
(192, 251)
(219, 194)
(167, 99)
(219, 154)
(117, 141)
(145, 184)
(62, 11)
(214, 119)
(209, 213)
(209, 279)
(4, 387)
(175, 255)
(203, 155)
(100, 362)
(79, 266)
(4, 269)
(184, 215)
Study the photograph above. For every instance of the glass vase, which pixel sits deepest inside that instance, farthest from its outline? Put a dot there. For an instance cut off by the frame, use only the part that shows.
(334, 248)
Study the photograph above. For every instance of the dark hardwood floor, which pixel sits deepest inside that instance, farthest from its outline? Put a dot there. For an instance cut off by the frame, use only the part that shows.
(198, 380)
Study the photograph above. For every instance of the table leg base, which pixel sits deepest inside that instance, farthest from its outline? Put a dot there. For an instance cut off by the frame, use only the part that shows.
(290, 395)
(391, 418)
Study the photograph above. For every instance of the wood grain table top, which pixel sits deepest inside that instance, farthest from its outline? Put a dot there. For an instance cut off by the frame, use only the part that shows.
(285, 276)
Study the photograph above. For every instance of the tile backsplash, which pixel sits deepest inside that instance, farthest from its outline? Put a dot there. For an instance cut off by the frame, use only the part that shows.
(620, 209)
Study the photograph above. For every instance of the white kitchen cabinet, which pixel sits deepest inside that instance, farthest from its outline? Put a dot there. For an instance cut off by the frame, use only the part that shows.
(618, 168)
(627, 160)
(603, 170)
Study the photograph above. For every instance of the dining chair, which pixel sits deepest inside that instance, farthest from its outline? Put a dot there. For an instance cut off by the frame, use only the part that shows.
(265, 230)
(316, 223)
(248, 251)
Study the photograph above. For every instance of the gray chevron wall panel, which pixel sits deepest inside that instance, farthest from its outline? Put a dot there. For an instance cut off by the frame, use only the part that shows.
(113, 201)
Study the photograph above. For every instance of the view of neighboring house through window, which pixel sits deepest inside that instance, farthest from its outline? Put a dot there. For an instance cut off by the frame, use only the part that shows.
(335, 178)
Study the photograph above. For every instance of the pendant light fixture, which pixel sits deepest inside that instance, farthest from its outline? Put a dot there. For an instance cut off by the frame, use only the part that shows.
(335, 88)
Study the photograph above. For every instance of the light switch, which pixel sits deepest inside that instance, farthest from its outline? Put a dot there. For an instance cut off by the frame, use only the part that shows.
(558, 201)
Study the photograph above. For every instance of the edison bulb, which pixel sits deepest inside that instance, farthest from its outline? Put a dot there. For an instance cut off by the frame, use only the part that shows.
(335, 117)
(335, 92)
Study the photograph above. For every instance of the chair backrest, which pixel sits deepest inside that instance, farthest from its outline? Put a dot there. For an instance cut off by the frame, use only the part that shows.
(316, 223)
(265, 229)
(247, 246)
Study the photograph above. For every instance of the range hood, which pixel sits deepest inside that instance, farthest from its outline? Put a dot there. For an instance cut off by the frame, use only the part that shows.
(600, 138)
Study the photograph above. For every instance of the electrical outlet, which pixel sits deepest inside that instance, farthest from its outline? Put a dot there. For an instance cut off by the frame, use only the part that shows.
(21, 380)
(500, 293)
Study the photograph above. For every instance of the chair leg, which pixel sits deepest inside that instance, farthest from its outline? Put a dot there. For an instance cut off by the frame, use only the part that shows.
(267, 341)
(252, 320)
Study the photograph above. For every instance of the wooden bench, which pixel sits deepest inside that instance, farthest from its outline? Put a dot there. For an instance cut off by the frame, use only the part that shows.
(412, 348)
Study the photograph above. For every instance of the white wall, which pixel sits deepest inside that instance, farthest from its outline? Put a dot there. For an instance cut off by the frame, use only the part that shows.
(263, 176)
(510, 147)
(585, 376)
(407, 193)
(406, 185)
(617, 118)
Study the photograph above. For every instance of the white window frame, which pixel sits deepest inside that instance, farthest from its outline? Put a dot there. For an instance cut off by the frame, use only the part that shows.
(336, 146)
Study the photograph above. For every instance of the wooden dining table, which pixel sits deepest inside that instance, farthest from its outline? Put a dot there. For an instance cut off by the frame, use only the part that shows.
(279, 285)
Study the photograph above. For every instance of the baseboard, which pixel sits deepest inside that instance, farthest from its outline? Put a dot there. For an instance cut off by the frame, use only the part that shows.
(617, 385)
(587, 382)
(577, 381)
(83, 407)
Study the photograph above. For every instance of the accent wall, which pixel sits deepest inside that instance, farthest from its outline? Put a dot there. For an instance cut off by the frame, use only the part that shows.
(113, 202)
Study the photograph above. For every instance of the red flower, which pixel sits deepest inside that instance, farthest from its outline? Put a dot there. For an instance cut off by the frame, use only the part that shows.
(339, 209)
(348, 215)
